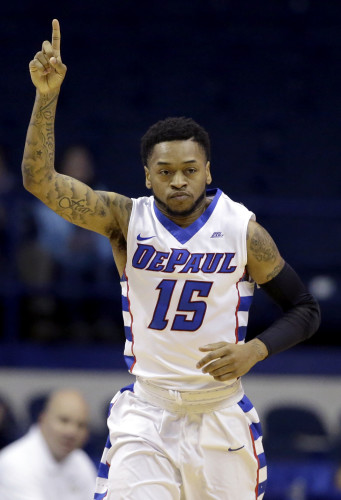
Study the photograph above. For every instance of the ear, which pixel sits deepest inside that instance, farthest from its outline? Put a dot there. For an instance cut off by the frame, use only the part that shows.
(147, 174)
(208, 173)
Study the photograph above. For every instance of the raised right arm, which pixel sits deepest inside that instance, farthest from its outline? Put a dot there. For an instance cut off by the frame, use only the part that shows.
(103, 212)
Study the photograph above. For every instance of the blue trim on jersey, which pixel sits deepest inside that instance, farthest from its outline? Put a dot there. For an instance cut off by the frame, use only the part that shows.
(262, 460)
(261, 487)
(100, 496)
(245, 303)
(125, 304)
(110, 406)
(129, 387)
(256, 430)
(130, 360)
(245, 404)
(128, 334)
(103, 470)
(185, 234)
(242, 332)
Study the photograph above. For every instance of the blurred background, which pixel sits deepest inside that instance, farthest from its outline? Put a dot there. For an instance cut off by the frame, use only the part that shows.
(264, 79)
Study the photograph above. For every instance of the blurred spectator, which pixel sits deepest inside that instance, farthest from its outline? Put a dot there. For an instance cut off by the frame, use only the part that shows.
(7, 185)
(338, 479)
(9, 227)
(36, 406)
(55, 254)
(6, 177)
(336, 456)
(81, 256)
(47, 463)
(9, 427)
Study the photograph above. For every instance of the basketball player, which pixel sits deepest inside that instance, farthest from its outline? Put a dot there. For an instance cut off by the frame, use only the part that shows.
(188, 260)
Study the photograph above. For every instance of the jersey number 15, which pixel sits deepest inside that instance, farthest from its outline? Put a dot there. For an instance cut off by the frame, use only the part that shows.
(185, 305)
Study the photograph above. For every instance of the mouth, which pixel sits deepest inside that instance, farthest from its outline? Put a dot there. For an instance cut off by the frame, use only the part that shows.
(180, 195)
(68, 444)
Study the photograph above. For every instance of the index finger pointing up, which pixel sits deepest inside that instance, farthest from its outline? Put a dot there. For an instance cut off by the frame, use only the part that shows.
(56, 37)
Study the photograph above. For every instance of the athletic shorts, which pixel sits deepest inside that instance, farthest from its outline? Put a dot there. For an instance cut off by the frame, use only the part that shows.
(176, 452)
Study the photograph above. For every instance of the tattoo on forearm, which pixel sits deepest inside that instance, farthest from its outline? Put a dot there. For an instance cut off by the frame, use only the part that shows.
(45, 119)
(39, 148)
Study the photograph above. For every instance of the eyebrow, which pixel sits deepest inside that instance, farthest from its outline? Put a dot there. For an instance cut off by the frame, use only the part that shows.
(187, 162)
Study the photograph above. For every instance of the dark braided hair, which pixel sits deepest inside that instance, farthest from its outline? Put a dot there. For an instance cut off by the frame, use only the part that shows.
(174, 129)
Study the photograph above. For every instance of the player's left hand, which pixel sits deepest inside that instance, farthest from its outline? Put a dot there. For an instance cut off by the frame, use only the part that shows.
(226, 361)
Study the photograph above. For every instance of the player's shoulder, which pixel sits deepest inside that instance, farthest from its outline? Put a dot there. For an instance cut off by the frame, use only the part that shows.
(115, 200)
(143, 200)
(235, 206)
(142, 205)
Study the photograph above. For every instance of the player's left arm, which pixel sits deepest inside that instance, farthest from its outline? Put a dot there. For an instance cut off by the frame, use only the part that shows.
(301, 313)
(300, 319)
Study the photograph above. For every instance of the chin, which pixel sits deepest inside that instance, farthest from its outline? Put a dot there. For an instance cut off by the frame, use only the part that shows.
(180, 211)
(180, 208)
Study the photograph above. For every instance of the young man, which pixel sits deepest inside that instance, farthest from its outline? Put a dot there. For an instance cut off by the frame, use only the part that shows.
(188, 259)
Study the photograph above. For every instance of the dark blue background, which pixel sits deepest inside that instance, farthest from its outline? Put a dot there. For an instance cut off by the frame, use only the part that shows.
(262, 77)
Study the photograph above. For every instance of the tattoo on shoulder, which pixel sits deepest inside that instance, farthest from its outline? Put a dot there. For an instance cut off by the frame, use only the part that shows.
(124, 204)
(262, 245)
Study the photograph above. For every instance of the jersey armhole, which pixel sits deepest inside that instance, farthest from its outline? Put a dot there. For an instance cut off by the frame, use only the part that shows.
(129, 232)
(252, 217)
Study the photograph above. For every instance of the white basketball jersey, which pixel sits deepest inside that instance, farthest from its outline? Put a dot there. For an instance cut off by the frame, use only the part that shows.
(184, 288)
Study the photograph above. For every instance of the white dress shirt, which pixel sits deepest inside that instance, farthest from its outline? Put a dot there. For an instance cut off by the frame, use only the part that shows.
(28, 471)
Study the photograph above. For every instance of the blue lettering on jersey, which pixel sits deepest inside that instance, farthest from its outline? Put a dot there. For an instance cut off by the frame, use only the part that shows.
(157, 260)
(211, 262)
(193, 263)
(176, 258)
(181, 260)
(225, 267)
(142, 256)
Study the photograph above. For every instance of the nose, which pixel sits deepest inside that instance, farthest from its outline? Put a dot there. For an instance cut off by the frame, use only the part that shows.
(178, 180)
(71, 431)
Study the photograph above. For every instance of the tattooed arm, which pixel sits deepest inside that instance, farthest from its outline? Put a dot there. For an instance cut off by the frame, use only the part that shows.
(264, 261)
(301, 318)
(105, 213)
(225, 361)
(301, 312)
